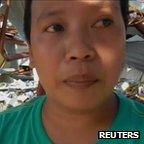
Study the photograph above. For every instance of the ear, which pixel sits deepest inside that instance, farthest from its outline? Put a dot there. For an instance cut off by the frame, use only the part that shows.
(32, 63)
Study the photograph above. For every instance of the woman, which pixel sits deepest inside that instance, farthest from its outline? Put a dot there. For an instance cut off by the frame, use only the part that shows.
(78, 50)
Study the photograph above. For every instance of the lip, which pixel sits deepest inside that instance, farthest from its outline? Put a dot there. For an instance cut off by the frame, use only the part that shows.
(79, 85)
(80, 81)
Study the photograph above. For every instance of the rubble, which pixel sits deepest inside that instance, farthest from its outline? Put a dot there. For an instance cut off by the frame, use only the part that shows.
(14, 92)
(15, 97)
(131, 89)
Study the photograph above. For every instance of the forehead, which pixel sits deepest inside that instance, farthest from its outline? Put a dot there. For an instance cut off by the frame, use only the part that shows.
(63, 2)
(46, 8)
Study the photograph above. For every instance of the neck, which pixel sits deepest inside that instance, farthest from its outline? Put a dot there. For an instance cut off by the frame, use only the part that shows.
(56, 117)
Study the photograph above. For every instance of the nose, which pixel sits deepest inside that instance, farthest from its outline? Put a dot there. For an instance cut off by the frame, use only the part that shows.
(79, 50)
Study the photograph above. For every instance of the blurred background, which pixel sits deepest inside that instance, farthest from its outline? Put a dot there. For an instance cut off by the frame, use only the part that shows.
(19, 83)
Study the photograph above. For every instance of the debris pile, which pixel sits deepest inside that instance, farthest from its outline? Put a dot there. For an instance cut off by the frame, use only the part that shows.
(15, 89)
(131, 88)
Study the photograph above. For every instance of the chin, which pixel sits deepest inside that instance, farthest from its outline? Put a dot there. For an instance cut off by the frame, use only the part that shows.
(80, 101)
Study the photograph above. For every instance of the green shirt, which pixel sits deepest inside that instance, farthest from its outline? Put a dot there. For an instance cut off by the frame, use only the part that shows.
(23, 124)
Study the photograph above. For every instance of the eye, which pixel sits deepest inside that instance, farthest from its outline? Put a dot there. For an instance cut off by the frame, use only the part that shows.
(103, 23)
(54, 28)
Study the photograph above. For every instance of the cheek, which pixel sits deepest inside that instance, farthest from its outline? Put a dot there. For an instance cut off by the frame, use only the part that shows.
(113, 65)
(48, 50)
(47, 56)
(112, 57)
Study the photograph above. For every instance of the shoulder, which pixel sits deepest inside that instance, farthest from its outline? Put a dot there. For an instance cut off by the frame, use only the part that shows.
(22, 120)
(133, 106)
(16, 113)
(131, 114)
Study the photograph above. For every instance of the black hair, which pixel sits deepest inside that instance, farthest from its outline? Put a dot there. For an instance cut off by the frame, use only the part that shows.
(27, 16)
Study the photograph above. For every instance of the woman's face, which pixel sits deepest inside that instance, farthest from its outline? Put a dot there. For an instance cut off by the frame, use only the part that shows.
(77, 48)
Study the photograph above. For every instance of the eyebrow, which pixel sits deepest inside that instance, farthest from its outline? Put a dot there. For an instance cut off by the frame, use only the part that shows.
(50, 13)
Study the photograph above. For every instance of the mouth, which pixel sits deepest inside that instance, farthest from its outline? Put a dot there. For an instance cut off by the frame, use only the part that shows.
(80, 82)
